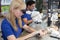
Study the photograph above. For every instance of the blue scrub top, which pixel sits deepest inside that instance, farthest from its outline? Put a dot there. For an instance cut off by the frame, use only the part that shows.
(28, 16)
(8, 30)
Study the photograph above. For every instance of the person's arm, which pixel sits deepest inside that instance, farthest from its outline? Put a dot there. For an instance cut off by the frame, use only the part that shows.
(27, 21)
(12, 37)
(28, 28)
(31, 35)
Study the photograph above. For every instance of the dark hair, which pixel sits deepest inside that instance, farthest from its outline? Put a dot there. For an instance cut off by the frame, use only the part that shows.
(40, 10)
(30, 3)
(59, 5)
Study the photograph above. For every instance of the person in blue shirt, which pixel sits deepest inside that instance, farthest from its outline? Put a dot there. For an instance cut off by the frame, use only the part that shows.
(30, 5)
(27, 18)
(12, 25)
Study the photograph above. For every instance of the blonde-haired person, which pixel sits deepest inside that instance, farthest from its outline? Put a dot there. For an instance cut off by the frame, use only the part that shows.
(12, 25)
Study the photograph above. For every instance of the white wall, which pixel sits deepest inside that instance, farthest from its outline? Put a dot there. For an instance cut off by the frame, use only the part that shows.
(5, 2)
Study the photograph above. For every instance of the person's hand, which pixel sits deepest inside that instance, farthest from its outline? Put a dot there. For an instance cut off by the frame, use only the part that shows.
(43, 32)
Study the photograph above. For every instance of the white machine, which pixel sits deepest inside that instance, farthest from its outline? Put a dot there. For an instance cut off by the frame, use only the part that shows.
(36, 16)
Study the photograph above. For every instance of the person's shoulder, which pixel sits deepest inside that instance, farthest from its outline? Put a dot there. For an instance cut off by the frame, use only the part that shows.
(5, 24)
(25, 15)
(5, 21)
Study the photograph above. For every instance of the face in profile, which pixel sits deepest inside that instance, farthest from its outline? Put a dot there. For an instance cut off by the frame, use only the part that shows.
(16, 7)
(31, 7)
(18, 13)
